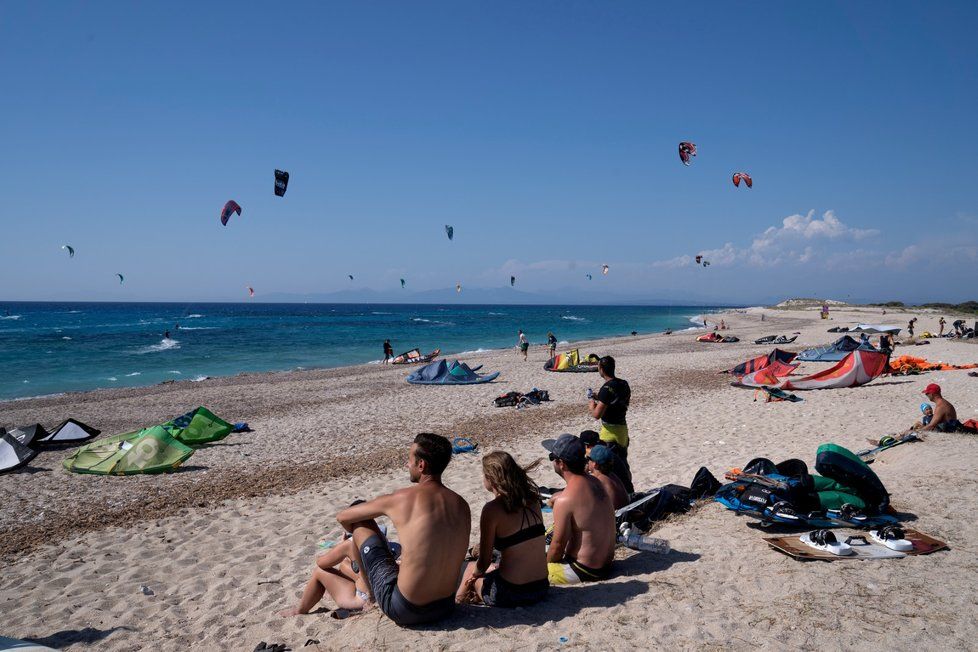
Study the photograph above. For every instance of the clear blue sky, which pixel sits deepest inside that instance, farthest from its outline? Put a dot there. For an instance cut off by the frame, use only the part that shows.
(545, 132)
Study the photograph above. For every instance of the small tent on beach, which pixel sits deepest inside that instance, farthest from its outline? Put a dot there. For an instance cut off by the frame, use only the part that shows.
(443, 373)
(151, 450)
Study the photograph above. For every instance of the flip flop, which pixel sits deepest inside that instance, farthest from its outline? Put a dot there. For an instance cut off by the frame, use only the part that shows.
(825, 540)
(892, 537)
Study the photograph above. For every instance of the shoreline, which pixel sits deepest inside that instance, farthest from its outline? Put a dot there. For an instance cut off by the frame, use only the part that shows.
(250, 510)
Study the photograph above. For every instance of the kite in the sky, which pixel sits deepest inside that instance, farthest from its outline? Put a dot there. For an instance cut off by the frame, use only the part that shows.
(743, 176)
(458, 287)
(685, 151)
(512, 281)
(402, 283)
(588, 276)
(351, 276)
(604, 270)
(229, 208)
(121, 278)
(251, 290)
(700, 261)
(450, 231)
(281, 183)
(70, 250)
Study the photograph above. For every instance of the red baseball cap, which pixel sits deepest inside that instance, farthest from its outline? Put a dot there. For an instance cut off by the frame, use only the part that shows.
(933, 388)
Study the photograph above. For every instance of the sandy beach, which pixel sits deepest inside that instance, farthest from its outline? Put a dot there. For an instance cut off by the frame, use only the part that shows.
(230, 538)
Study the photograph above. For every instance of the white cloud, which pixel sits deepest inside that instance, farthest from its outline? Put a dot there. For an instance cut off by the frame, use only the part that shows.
(903, 259)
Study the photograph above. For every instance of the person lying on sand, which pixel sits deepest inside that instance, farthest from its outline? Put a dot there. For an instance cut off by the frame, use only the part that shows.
(511, 523)
(582, 547)
(433, 524)
(945, 417)
(335, 575)
(600, 465)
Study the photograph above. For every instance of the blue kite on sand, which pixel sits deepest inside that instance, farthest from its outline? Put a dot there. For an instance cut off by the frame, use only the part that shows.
(444, 373)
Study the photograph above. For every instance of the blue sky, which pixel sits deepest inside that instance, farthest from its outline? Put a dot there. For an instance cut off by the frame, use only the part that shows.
(545, 132)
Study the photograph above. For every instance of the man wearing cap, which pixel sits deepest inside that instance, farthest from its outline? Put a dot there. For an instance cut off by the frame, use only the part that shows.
(582, 547)
(599, 465)
(619, 467)
(610, 405)
(945, 416)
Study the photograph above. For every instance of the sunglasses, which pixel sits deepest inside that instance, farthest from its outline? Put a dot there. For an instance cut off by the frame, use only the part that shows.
(553, 457)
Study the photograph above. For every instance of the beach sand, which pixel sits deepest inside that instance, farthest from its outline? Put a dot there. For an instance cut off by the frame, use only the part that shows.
(230, 539)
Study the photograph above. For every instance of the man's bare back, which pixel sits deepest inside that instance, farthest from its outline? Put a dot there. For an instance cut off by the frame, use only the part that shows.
(585, 511)
(613, 487)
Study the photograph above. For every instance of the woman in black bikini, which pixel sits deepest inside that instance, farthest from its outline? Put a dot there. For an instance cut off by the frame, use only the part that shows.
(512, 524)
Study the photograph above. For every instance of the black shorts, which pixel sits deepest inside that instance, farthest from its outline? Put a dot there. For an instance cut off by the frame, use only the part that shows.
(497, 592)
(382, 570)
(949, 426)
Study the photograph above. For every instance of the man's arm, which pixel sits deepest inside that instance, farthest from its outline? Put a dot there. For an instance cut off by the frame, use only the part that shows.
(562, 530)
(597, 408)
(380, 506)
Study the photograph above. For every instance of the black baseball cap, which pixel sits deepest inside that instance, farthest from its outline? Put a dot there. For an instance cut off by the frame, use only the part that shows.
(590, 438)
(567, 447)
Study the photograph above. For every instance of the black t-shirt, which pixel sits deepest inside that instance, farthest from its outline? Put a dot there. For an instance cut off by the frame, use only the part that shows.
(615, 394)
(552, 341)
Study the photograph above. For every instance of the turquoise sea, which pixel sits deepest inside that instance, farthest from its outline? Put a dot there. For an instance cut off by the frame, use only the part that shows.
(48, 348)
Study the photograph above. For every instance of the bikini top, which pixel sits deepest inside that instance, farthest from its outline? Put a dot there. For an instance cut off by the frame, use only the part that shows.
(525, 533)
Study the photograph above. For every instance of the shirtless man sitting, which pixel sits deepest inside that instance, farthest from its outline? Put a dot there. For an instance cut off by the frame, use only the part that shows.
(600, 464)
(582, 547)
(433, 525)
(945, 417)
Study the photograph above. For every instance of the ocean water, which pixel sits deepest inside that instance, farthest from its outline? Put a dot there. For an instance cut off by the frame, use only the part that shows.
(48, 348)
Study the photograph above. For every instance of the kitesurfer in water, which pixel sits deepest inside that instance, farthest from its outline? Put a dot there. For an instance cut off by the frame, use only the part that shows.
(166, 335)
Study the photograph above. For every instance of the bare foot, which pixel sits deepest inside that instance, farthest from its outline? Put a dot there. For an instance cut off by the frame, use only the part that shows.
(288, 613)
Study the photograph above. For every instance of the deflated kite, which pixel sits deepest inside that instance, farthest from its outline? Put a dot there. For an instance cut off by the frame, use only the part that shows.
(229, 208)
(70, 250)
(686, 150)
(281, 182)
(743, 176)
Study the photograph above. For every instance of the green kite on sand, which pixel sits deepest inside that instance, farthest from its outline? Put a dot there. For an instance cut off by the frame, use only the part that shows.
(151, 450)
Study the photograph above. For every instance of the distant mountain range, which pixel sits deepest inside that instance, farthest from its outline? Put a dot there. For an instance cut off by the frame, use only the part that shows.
(491, 296)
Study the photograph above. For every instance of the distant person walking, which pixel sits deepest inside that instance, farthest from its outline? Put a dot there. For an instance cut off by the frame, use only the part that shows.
(388, 351)
(552, 344)
(610, 405)
(942, 324)
(910, 325)
(523, 345)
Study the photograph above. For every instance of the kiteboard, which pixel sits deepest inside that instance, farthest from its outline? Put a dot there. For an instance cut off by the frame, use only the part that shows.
(862, 547)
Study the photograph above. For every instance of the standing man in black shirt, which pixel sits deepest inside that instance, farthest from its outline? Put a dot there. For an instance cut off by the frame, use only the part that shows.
(610, 405)
(388, 351)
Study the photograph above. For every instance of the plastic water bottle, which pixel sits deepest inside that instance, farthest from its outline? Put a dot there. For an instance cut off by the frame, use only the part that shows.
(638, 541)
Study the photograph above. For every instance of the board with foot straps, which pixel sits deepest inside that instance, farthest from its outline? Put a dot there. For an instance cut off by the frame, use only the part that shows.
(862, 546)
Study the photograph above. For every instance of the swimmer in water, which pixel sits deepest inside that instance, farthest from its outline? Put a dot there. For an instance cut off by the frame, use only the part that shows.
(166, 335)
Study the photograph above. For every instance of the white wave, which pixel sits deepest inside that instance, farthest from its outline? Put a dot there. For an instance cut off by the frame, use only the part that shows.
(572, 318)
(135, 373)
(497, 314)
(199, 328)
(193, 316)
(65, 337)
(165, 345)
(74, 312)
(375, 312)
(197, 379)
(112, 378)
(174, 371)
(479, 350)
(562, 342)
(10, 317)
(419, 319)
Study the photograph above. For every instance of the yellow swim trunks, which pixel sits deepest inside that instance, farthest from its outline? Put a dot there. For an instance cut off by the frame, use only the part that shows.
(570, 571)
(614, 432)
